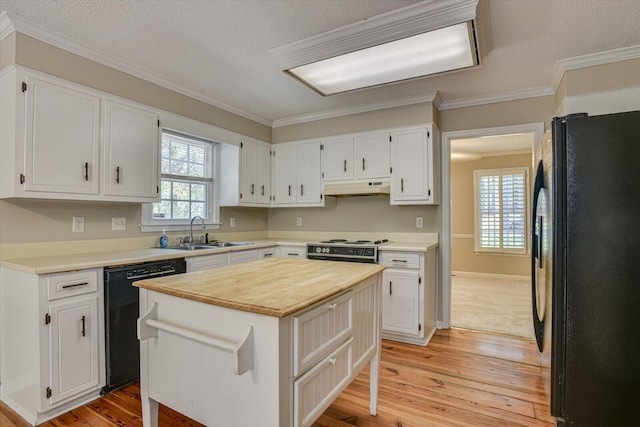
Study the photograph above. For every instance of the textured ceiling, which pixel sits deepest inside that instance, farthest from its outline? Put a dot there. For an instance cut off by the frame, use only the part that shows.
(220, 49)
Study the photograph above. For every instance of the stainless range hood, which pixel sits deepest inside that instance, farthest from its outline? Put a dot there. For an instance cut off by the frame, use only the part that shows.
(370, 188)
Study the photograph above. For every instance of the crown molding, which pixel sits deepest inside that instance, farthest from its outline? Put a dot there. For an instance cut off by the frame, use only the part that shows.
(432, 97)
(592, 60)
(512, 95)
(10, 22)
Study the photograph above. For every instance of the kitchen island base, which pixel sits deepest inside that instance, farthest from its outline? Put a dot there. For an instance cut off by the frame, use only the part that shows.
(297, 366)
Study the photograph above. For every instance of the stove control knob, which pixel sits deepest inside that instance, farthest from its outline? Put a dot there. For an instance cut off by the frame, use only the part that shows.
(318, 250)
(326, 250)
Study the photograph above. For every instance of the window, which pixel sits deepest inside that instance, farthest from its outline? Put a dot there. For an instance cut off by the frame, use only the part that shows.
(186, 184)
(501, 210)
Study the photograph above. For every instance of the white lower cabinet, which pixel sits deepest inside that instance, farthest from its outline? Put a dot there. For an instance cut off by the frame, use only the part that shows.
(52, 341)
(267, 252)
(408, 296)
(207, 262)
(243, 256)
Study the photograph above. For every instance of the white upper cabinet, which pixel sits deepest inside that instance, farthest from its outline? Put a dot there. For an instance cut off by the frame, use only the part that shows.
(372, 155)
(131, 141)
(256, 172)
(337, 159)
(51, 143)
(297, 174)
(413, 159)
(245, 178)
(62, 138)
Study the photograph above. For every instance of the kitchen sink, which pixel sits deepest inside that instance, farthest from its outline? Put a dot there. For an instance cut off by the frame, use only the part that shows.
(189, 247)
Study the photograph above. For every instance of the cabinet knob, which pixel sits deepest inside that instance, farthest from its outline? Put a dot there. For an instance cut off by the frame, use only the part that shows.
(333, 306)
(333, 361)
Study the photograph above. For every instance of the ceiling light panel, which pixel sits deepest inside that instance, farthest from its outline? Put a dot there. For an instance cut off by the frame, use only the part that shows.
(426, 38)
(434, 52)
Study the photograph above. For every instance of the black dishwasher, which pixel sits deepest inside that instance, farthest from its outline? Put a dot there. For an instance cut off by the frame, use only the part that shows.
(121, 309)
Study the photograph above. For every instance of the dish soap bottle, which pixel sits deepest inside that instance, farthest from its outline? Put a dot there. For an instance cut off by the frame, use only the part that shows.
(164, 240)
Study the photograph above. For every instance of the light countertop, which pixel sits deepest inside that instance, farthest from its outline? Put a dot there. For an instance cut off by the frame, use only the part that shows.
(274, 286)
(77, 261)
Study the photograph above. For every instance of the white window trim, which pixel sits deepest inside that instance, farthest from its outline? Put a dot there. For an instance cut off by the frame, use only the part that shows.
(501, 251)
(200, 130)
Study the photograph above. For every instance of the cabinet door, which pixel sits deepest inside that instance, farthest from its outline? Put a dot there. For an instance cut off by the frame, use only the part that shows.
(372, 155)
(62, 138)
(130, 151)
(74, 347)
(400, 302)
(337, 159)
(410, 158)
(284, 171)
(248, 170)
(243, 256)
(309, 176)
(263, 174)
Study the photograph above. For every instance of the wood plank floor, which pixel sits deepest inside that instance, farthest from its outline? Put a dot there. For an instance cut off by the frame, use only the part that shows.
(462, 378)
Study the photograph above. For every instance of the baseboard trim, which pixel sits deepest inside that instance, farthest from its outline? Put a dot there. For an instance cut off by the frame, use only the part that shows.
(489, 275)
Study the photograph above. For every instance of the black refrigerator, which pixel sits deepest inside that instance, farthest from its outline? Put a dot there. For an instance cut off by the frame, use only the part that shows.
(593, 290)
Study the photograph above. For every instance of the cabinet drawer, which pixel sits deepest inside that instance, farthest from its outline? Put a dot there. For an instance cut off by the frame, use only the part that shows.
(69, 284)
(266, 252)
(292, 251)
(206, 262)
(243, 256)
(400, 259)
(315, 390)
(319, 330)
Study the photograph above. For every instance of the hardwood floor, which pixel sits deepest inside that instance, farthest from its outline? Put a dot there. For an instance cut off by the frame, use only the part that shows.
(462, 378)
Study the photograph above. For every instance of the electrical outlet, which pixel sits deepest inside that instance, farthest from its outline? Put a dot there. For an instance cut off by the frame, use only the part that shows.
(419, 222)
(118, 224)
(78, 224)
(232, 222)
(299, 221)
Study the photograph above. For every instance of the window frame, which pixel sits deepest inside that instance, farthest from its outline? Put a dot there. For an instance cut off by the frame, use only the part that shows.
(477, 173)
(212, 222)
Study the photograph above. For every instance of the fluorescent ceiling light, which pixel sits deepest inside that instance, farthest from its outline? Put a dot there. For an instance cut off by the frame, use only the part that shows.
(423, 39)
(446, 49)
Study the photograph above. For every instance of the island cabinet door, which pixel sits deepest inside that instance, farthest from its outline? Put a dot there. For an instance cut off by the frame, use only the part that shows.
(365, 319)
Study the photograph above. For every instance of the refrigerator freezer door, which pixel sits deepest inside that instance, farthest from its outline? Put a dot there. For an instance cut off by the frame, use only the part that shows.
(595, 369)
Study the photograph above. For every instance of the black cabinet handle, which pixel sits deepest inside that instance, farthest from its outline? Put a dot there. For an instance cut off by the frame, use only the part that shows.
(75, 285)
(252, 189)
(118, 175)
(289, 190)
(86, 171)
(401, 184)
(363, 163)
(390, 287)
(262, 190)
(301, 190)
(84, 332)
(345, 165)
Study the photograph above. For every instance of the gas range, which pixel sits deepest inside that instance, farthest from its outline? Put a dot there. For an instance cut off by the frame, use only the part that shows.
(365, 251)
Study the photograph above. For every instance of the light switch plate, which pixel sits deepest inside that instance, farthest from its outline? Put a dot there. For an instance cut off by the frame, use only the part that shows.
(118, 223)
(299, 221)
(419, 222)
(232, 222)
(78, 224)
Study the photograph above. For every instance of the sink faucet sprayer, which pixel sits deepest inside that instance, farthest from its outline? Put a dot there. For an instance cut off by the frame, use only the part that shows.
(204, 226)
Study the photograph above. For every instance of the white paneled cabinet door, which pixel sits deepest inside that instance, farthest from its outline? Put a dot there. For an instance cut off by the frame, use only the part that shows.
(410, 160)
(62, 138)
(130, 151)
(372, 155)
(248, 158)
(400, 302)
(74, 347)
(284, 171)
(337, 159)
(309, 186)
(263, 174)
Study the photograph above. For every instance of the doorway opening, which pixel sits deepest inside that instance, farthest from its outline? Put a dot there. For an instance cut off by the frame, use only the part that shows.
(488, 177)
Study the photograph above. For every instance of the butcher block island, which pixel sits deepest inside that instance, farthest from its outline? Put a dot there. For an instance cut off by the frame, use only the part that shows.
(265, 343)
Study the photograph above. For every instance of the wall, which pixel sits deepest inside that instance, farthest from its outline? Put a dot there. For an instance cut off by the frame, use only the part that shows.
(463, 257)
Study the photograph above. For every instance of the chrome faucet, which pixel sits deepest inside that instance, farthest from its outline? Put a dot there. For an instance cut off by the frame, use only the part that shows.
(204, 226)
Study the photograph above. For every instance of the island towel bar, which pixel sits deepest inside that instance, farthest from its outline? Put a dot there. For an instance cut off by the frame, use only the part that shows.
(242, 351)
